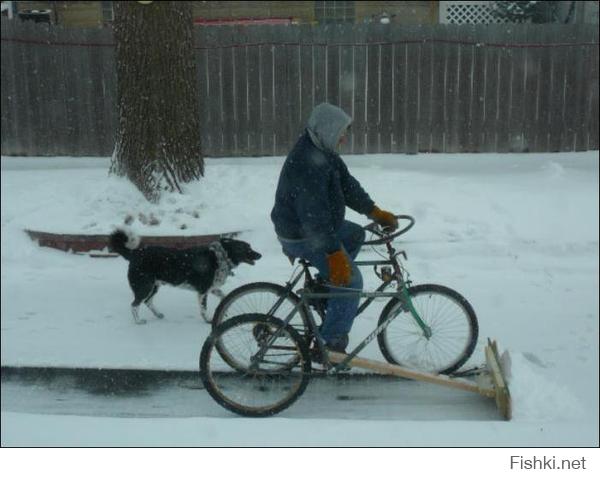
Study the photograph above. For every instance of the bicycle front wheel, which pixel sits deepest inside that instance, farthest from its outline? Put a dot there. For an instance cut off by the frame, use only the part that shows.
(453, 324)
(272, 365)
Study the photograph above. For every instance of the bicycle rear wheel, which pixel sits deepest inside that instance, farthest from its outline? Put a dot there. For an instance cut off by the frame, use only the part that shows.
(258, 298)
(453, 325)
(268, 377)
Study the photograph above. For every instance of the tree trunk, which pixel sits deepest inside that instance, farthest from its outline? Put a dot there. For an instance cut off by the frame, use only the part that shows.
(158, 143)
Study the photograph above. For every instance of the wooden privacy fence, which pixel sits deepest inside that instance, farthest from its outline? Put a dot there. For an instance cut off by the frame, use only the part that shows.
(435, 88)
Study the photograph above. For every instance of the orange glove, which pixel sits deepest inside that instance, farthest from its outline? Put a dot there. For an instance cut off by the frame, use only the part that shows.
(340, 269)
(384, 218)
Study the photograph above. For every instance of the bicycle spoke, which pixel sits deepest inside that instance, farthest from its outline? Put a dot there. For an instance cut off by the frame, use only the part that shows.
(266, 378)
(452, 338)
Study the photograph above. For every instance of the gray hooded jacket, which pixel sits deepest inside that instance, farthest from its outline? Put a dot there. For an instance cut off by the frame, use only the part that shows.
(326, 125)
(315, 185)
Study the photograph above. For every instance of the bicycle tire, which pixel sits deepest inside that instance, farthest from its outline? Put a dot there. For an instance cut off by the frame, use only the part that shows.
(224, 310)
(256, 393)
(233, 305)
(418, 352)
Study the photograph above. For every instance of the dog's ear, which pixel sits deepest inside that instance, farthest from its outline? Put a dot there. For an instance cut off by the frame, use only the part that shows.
(239, 251)
(228, 247)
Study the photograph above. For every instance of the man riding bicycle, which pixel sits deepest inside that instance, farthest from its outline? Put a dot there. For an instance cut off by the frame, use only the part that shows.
(314, 189)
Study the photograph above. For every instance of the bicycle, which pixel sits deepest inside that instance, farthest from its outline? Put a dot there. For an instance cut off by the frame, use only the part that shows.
(263, 363)
(268, 297)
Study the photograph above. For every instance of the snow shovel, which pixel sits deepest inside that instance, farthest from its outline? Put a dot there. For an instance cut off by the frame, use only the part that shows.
(491, 381)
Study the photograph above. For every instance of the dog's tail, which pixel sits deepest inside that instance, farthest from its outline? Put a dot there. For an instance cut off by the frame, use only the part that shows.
(123, 242)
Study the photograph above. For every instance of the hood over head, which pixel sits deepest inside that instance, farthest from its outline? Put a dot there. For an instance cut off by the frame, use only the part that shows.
(326, 125)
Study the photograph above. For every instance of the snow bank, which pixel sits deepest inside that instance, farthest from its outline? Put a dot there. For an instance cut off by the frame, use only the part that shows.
(517, 235)
(537, 397)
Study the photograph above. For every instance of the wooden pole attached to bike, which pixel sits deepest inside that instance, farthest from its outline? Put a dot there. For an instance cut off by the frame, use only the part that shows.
(498, 390)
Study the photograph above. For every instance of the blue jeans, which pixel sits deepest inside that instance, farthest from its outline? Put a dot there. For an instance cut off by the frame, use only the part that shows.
(341, 310)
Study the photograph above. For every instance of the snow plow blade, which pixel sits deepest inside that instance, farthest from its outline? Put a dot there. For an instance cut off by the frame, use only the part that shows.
(498, 372)
(492, 385)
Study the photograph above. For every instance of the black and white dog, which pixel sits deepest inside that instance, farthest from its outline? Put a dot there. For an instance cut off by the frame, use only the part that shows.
(203, 269)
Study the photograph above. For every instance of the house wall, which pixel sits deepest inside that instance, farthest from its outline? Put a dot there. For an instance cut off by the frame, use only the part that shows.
(89, 14)
(406, 13)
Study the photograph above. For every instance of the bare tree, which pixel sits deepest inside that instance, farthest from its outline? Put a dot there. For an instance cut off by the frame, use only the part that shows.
(158, 143)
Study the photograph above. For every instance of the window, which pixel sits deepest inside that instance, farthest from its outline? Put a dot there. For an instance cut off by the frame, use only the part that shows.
(107, 12)
(37, 16)
(334, 12)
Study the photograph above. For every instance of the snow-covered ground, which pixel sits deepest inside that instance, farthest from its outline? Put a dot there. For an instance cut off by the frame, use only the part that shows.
(516, 234)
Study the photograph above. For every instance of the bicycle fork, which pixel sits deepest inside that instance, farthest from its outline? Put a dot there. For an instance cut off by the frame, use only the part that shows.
(407, 305)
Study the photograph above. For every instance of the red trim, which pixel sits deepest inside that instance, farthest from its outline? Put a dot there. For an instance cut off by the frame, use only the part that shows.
(97, 242)
(243, 21)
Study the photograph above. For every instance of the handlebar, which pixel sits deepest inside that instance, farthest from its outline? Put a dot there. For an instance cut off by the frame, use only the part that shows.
(385, 236)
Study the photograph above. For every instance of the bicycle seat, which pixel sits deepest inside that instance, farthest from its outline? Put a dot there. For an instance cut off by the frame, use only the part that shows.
(305, 262)
(290, 258)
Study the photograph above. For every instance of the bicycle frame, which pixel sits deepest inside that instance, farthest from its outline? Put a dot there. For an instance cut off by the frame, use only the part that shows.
(401, 293)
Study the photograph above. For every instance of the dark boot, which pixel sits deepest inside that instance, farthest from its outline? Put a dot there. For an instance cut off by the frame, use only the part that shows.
(339, 344)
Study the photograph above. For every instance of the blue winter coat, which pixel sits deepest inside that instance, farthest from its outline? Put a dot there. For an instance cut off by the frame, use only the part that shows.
(314, 189)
